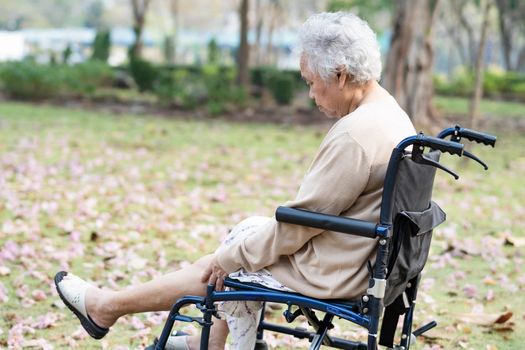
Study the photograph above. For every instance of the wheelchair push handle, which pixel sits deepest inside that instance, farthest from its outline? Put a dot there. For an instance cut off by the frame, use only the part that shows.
(451, 147)
(479, 137)
(458, 132)
(328, 222)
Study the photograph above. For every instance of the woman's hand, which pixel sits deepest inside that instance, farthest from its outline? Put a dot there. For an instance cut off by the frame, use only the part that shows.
(214, 274)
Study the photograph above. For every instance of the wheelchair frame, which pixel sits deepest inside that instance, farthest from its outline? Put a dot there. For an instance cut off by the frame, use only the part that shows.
(365, 312)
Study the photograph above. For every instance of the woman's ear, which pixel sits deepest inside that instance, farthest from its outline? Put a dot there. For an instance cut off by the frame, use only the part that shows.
(341, 79)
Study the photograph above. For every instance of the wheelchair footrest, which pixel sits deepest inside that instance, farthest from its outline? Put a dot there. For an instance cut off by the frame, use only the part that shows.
(188, 319)
(424, 328)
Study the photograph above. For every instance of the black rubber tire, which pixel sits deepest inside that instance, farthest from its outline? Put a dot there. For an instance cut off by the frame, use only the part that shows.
(261, 345)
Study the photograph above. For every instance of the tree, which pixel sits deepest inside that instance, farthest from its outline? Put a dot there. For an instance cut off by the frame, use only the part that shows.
(101, 45)
(369, 10)
(478, 73)
(259, 22)
(168, 49)
(43, 13)
(268, 16)
(452, 19)
(140, 8)
(66, 54)
(175, 14)
(94, 12)
(213, 52)
(243, 76)
(511, 16)
(460, 10)
(409, 64)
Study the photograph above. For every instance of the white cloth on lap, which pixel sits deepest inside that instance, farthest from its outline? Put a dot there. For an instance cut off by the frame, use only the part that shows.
(243, 316)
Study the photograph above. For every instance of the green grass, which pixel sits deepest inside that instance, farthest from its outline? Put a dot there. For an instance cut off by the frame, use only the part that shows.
(145, 195)
(487, 108)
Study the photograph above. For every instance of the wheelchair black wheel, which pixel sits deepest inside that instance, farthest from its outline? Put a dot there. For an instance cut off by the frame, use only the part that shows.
(261, 345)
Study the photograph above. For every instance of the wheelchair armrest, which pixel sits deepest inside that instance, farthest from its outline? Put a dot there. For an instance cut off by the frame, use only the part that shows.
(329, 222)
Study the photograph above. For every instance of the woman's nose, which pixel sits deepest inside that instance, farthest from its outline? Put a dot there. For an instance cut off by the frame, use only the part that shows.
(311, 94)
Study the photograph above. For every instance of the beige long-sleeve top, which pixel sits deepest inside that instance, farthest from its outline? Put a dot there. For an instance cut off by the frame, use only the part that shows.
(345, 178)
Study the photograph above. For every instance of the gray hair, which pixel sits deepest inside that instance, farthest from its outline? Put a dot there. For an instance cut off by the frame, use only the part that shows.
(331, 41)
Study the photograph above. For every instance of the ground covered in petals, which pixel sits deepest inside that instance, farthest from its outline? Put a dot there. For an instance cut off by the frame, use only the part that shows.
(121, 199)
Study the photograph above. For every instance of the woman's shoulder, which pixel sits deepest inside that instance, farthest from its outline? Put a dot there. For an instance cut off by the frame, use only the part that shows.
(377, 115)
(373, 124)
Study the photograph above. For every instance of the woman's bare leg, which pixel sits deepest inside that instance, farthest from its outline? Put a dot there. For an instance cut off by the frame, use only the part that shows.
(105, 307)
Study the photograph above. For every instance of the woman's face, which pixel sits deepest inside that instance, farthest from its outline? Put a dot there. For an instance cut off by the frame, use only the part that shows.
(327, 95)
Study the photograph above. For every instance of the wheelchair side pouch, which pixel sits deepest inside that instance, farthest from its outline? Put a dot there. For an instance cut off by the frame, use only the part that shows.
(425, 221)
(410, 247)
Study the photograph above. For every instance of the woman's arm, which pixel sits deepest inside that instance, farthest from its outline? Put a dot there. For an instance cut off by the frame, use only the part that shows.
(336, 178)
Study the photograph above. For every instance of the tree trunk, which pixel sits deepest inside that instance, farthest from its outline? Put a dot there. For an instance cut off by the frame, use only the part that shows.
(174, 9)
(140, 7)
(409, 65)
(520, 65)
(505, 33)
(258, 31)
(466, 51)
(479, 73)
(274, 12)
(470, 32)
(243, 78)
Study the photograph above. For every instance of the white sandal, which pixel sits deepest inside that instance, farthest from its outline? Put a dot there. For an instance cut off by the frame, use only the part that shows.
(176, 341)
(72, 291)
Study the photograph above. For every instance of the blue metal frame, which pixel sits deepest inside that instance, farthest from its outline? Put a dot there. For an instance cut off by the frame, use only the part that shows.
(213, 296)
(375, 305)
(369, 319)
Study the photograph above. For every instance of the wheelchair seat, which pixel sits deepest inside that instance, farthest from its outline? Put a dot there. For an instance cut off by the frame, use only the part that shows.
(237, 285)
(404, 233)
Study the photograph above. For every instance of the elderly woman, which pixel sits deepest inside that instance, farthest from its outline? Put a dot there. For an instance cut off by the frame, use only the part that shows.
(341, 64)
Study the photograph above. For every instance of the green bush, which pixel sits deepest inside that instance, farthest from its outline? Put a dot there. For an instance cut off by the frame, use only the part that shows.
(84, 78)
(518, 90)
(101, 45)
(282, 87)
(462, 83)
(259, 75)
(441, 84)
(495, 82)
(180, 88)
(222, 92)
(29, 80)
(515, 82)
(210, 85)
(144, 73)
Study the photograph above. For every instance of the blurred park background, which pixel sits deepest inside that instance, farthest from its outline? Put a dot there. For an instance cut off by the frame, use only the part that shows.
(135, 133)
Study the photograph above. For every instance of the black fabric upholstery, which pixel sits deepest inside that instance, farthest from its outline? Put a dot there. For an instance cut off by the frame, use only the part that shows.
(415, 215)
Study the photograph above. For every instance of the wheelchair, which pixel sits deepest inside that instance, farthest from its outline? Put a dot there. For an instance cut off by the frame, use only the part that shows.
(404, 233)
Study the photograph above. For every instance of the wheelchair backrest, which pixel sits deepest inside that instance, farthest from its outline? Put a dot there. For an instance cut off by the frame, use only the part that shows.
(414, 215)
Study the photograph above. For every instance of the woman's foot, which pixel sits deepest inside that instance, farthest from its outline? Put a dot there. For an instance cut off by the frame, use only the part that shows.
(100, 308)
(82, 299)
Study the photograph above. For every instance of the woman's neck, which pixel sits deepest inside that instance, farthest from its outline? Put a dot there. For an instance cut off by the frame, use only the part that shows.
(358, 95)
